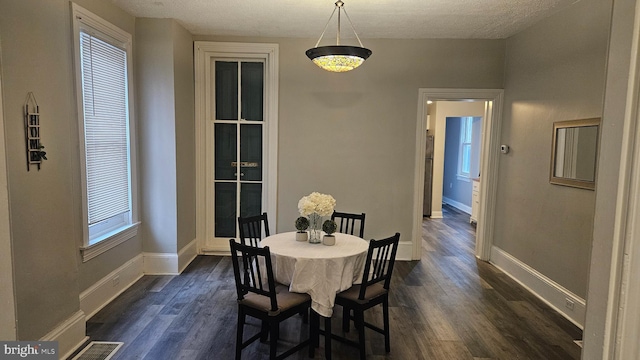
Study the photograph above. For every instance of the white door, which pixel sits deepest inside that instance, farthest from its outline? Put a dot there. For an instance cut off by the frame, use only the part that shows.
(236, 138)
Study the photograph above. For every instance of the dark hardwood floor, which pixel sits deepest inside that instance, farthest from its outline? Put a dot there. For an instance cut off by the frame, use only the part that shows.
(448, 305)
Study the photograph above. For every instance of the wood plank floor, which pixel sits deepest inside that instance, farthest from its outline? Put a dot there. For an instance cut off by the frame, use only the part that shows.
(448, 305)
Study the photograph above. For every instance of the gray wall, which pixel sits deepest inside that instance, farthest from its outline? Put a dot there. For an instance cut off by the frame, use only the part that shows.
(46, 205)
(352, 135)
(554, 71)
(156, 122)
(453, 188)
(167, 133)
(185, 134)
(608, 172)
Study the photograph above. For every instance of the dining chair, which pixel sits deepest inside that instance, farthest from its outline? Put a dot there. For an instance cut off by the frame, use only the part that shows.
(259, 296)
(373, 290)
(251, 229)
(346, 222)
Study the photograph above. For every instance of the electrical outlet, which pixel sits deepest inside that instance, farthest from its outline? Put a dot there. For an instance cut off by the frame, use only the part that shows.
(116, 280)
(568, 303)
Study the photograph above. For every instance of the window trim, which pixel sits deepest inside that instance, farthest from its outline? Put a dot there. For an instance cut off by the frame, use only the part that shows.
(87, 21)
(464, 121)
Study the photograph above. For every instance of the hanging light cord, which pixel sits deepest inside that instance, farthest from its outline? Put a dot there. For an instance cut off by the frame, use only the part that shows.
(352, 28)
(339, 6)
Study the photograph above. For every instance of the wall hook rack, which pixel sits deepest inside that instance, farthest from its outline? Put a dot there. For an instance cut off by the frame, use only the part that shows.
(35, 149)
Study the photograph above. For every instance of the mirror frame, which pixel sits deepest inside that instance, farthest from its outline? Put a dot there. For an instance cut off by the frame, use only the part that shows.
(582, 184)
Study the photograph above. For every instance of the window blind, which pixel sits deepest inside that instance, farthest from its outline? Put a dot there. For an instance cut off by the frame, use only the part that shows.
(104, 91)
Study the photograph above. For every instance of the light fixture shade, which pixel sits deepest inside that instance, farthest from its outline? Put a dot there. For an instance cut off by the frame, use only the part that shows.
(338, 58)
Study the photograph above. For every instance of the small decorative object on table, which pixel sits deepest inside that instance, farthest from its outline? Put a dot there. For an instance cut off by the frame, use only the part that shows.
(315, 206)
(302, 224)
(329, 227)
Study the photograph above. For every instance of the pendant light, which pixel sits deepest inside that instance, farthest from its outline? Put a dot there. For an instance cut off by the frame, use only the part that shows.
(338, 58)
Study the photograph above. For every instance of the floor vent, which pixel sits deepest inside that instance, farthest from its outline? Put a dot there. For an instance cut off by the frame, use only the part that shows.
(98, 350)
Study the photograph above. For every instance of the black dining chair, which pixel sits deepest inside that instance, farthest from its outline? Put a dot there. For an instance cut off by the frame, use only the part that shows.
(251, 228)
(259, 296)
(373, 290)
(347, 222)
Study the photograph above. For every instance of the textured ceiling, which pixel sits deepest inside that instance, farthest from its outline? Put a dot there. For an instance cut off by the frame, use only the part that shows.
(399, 19)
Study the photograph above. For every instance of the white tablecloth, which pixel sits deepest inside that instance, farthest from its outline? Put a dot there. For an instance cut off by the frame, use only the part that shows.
(318, 270)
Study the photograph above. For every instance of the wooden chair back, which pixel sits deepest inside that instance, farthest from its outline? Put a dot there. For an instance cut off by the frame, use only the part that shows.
(251, 229)
(379, 264)
(253, 272)
(347, 222)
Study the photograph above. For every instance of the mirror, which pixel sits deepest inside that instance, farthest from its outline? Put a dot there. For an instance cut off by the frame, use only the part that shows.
(574, 153)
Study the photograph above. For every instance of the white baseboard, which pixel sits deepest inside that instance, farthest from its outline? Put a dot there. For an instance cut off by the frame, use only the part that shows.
(436, 214)
(109, 287)
(70, 334)
(160, 264)
(187, 254)
(405, 250)
(458, 205)
(541, 286)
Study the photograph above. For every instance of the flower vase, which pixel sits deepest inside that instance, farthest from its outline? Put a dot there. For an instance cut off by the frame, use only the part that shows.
(315, 228)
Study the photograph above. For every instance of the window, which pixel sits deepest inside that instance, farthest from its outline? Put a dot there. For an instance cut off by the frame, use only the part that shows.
(103, 58)
(464, 155)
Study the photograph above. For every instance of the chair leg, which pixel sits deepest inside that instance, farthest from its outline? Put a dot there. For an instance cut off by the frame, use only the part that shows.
(385, 315)
(273, 341)
(345, 318)
(313, 333)
(314, 324)
(239, 333)
(359, 317)
(327, 338)
(264, 331)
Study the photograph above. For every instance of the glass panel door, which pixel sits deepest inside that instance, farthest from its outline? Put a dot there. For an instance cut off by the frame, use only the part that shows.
(238, 170)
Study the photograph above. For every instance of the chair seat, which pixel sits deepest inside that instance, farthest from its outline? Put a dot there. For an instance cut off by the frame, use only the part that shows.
(372, 292)
(285, 298)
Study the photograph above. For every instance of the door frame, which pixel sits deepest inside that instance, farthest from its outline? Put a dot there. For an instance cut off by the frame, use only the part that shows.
(204, 52)
(622, 324)
(489, 157)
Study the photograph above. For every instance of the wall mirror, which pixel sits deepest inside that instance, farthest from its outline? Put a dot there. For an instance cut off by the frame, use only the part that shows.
(574, 153)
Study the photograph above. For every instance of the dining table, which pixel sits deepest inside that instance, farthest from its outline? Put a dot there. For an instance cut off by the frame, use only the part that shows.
(319, 270)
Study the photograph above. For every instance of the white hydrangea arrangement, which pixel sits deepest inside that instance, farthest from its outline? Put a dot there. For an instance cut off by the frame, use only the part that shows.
(321, 204)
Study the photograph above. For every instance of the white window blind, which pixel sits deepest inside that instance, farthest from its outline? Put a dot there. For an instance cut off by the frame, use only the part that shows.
(104, 92)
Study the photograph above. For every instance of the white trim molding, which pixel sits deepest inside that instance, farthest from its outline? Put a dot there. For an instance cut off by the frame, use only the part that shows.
(547, 290)
(122, 235)
(160, 264)
(109, 287)
(622, 324)
(405, 249)
(489, 157)
(70, 334)
(458, 205)
(187, 254)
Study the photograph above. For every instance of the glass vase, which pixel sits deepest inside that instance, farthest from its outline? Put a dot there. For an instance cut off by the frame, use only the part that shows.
(315, 228)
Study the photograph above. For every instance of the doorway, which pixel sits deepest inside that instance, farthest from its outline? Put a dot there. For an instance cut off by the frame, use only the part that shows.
(457, 127)
(236, 138)
(489, 152)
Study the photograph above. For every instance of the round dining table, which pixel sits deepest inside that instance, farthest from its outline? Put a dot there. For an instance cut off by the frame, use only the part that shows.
(316, 269)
